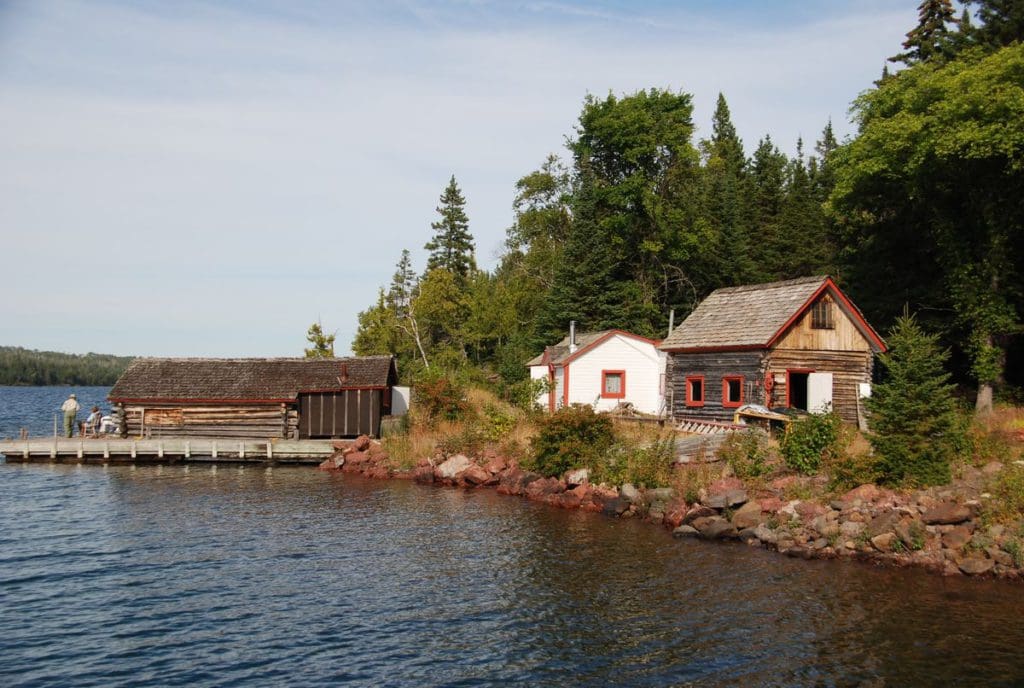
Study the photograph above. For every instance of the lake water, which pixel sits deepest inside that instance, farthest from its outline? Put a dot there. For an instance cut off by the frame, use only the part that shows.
(34, 408)
(217, 577)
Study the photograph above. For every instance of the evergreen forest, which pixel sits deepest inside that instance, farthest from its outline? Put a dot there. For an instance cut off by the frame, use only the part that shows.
(918, 212)
(20, 366)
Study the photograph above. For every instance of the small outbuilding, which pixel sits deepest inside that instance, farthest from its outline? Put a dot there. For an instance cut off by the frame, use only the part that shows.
(604, 369)
(799, 344)
(257, 398)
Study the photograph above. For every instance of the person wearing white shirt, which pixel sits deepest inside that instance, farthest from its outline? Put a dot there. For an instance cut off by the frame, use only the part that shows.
(70, 409)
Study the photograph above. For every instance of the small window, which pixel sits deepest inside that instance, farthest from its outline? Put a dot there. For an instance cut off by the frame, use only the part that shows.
(613, 384)
(732, 390)
(821, 315)
(695, 391)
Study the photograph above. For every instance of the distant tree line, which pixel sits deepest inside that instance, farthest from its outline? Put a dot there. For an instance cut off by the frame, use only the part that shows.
(20, 366)
(919, 211)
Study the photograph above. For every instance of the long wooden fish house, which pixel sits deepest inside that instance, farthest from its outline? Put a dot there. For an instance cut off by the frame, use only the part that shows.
(255, 398)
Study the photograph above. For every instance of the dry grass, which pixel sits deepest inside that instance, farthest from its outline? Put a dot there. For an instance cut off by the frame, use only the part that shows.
(689, 480)
(405, 449)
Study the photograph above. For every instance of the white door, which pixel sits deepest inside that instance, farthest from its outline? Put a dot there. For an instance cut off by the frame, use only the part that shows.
(819, 392)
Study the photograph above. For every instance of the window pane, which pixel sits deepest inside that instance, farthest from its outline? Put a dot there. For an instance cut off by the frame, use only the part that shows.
(696, 390)
(733, 391)
(613, 383)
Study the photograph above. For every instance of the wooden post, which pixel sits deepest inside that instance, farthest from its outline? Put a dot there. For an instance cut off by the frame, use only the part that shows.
(213, 449)
(270, 449)
(106, 450)
(25, 453)
(134, 451)
(241, 450)
(159, 450)
(81, 448)
(188, 449)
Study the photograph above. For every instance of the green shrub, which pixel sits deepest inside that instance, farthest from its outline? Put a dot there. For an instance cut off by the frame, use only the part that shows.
(810, 440)
(648, 465)
(848, 471)
(1007, 490)
(498, 422)
(572, 437)
(439, 397)
(524, 393)
(746, 453)
(913, 417)
(470, 440)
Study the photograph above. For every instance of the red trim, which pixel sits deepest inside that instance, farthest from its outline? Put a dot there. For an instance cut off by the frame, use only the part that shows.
(849, 309)
(565, 385)
(789, 404)
(163, 400)
(621, 394)
(579, 352)
(703, 391)
(725, 391)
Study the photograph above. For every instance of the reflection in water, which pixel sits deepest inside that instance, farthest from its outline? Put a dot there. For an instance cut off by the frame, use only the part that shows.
(202, 577)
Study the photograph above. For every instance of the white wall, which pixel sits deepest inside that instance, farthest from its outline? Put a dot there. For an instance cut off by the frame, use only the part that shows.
(644, 366)
(540, 373)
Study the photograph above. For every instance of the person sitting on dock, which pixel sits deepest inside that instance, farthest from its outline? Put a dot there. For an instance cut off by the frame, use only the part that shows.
(70, 409)
(92, 423)
(107, 425)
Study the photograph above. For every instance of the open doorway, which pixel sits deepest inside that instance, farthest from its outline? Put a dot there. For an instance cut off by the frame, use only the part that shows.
(796, 388)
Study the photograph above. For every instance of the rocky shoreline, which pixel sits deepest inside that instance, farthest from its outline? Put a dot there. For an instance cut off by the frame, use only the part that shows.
(939, 529)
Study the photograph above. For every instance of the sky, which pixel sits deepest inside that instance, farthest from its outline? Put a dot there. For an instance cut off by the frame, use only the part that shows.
(207, 179)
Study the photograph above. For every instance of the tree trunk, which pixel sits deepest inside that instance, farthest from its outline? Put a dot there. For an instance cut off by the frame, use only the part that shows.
(983, 406)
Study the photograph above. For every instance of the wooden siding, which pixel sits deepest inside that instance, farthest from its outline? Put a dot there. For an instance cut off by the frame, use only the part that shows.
(844, 337)
(244, 421)
(714, 366)
(341, 414)
(848, 368)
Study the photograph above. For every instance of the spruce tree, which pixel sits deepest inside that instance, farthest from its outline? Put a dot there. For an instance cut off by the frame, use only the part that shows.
(452, 245)
(1001, 23)
(725, 197)
(913, 413)
(403, 282)
(931, 37)
(322, 344)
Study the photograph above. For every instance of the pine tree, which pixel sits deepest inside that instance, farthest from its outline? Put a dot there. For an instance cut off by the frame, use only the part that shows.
(322, 344)
(767, 177)
(452, 245)
(1002, 23)
(403, 283)
(913, 413)
(931, 37)
(725, 197)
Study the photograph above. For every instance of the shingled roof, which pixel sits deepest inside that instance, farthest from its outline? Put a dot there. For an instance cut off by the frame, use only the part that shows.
(756, 315)
(559, 354)
(248, 379)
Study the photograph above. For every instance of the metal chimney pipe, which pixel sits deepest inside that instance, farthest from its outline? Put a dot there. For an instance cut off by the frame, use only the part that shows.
(572, 336)
(671, 321)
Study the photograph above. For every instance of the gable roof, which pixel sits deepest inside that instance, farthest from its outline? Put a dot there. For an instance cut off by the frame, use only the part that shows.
(559, 354)
(248, 379)
(755, 316)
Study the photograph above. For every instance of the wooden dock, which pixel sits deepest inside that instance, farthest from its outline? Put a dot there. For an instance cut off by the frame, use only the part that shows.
(172, 450)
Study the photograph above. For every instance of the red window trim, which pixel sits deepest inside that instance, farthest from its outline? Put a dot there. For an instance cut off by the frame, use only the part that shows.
(621, 394)
(725, 391)
(703, 391)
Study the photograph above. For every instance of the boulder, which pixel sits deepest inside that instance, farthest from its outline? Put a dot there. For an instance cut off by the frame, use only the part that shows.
(451, 468)
(697, 511)
(976, 566)
(884, 542)
(340, 445)
(851, 529)
(765, 534)
(496, 464)
(956, 537)
(538, 489)
(332, 463)
(748, 535)
(475, 475)
(808, 511)
(747, 516)
(423, 474)
(883, 523)
(362, 443)
(377, 472)
(357, 458)
(578, 476)
(865, 493)
(629, 492)
(685, 531)
(715, 528)
(616, 507)
(675, 512)
(570, 499)
(947, 513)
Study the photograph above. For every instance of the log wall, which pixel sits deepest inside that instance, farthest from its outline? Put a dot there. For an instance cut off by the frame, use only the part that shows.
(714, 366)
(243, 421)
(848, 368)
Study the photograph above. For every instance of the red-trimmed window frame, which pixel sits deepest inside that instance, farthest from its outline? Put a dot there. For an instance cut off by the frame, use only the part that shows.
(621, 394)
(725, 391)
(693, 403)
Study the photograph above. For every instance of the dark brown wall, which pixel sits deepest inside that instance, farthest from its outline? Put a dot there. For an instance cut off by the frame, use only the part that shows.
(848, 368)
(714, 366)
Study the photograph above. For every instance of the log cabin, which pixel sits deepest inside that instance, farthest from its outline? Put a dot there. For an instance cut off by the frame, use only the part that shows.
(800, 344)
(255, 398)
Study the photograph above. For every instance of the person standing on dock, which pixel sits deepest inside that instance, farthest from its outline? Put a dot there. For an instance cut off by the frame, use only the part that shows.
(70, 409)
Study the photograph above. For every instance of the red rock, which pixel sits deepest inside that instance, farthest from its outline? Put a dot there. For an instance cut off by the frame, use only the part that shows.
(497, 464)
(423, 474)
(328, 464)
(808, 511)
(515, 481)
(423, 462)
(351, 468)
(569, 500)
(865, 493)
(362, 443)
(947, 513)
(341, 445)
(403, 475)
(474, 475)
(772, 505)
(724, 485)
(674, 514)
(538, 489)
(377, 473)
(356, 458)
(695, 512)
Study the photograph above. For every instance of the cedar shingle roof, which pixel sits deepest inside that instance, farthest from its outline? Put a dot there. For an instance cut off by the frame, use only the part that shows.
(247, 379)
(744, 316)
